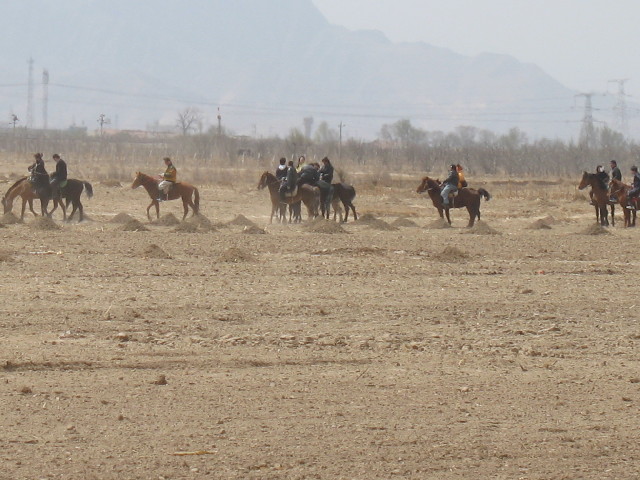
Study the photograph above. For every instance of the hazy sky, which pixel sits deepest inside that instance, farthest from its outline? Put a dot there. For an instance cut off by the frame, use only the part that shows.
(581, 43)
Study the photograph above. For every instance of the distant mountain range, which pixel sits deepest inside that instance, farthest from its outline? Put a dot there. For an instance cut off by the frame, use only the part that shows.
(265, 64)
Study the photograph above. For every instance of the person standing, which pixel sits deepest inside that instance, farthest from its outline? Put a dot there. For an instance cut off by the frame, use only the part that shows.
(169, 178)
(450, 185)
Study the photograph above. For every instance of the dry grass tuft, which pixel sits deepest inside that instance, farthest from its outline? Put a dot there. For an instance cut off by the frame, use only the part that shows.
(236, 255)
(121, 218)
(438, 223)
(539, 224)
(481, 228)
(44, 223)
(168, 220)
(452, 253)
(595, 229)
(254, 230)
(10, 219)
(133, 225)
(404, 222)
(320, 225)
(242, 221)
(154, 251)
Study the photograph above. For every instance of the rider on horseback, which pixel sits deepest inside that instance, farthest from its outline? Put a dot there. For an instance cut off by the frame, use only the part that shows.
(616, 174)
(290, 181)
(281, 171)
(450, 185)
(462, 183)
(39, 177)
(58, 179)
(635, 188)
(169, 178)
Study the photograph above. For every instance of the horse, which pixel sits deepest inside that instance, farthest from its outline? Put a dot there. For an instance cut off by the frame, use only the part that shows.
(621, 191)
(24, 189)
(467, 197)
(343, 193)
(309, 195)
(179, 190)
(277, 205)
(70, 193)
(600, 198)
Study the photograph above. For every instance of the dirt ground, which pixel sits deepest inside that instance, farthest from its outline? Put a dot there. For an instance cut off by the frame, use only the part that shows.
(416, 352)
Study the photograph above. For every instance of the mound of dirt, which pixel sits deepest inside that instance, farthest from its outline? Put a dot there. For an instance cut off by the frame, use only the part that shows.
(367, 219)
(168, 220)
(253, 230)
(481, 228)
(121, 218)
(10, 219)
(539, 225)
(404, 222)
(451, 253)
(382, 226)
(133, 225)
(236, 255)
(154, 251)
(439, 223)
(321, 225)
(595, 229)
(186, 227)
(111, 183)
(242, 221)
(550, 220)
(44, 223)
(202, 222)
(6, 256)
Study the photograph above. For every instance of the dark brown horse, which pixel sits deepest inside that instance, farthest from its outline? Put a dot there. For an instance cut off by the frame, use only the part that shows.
(309, 195)
(179, 190)
(345, 194)
(24, 189)
(467, 197)
(621, 192)
(599, 197)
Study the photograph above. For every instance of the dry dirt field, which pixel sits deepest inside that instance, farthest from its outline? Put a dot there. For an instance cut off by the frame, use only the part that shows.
(417, 352)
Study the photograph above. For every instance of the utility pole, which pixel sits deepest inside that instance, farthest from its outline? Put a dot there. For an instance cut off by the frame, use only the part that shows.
(587, 132)
(45, 98)
(341, 126)
(219, 123)
(102, 121)
(30, 95)
(620, 108)
(14, 119)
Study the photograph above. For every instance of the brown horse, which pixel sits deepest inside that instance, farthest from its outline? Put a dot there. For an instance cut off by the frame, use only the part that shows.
(599, 197)
(343, 193)
(467, 197)
(179, 190)
(621, 191)
(24, 189)
(309, 195)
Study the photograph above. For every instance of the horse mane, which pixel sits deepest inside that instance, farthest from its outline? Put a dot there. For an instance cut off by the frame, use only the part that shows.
(431, 182)
(12, 187)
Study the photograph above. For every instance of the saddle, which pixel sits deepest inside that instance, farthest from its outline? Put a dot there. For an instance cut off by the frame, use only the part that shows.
(290, 194)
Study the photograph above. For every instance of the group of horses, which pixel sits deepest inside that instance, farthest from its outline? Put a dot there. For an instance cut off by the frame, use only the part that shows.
(316, 202)
(70, 194)
(605, 199)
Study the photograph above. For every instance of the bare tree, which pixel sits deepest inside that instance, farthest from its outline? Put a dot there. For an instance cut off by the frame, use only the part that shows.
(189, 119)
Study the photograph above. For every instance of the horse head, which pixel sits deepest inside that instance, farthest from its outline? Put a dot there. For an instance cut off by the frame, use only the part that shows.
(137, 180)
(427, 184)
(263, 180)
(5, 205)
(585, 181)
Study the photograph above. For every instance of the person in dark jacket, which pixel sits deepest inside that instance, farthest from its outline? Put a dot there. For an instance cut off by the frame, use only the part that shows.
(326, 171)
(326, 190)
(290, 181)
(615, 171)
(39, 177)
(309, 175)
(59, 178)
(281, 171)
(450, 185)
(635, 188)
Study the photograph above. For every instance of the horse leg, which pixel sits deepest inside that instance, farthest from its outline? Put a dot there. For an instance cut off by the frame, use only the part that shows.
(355, 215)
(185, 206)
(613, 217)
(472, 216)
(24, 206)
(149, 208)
(446, 211)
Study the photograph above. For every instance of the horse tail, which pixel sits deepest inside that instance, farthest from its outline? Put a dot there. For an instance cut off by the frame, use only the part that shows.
(88, 188)
(196, 199)
(485, 194)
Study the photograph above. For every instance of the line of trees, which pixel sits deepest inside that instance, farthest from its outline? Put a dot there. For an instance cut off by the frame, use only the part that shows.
(400, 147)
